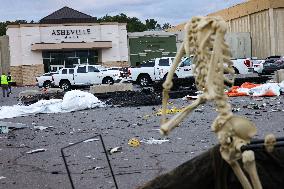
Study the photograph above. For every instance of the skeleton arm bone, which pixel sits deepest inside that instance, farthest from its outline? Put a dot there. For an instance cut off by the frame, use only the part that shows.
(175, 121)
(168, 83)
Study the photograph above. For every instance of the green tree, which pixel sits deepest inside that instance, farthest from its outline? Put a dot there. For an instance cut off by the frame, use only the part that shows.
(166, 26)
(151, 24)
(3, 26)
(133, 23)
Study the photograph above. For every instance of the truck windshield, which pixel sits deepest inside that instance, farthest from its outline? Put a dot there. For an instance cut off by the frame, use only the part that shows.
(187, 62)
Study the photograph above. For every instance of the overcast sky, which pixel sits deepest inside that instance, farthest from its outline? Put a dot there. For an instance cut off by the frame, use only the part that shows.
(172, 11)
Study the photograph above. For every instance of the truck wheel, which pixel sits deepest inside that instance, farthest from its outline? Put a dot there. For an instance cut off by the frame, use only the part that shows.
(47, 84)
(144, 80)
(108, 80)
(65, 85)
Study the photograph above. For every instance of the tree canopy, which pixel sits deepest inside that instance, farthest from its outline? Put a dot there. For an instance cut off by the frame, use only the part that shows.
(133, 24)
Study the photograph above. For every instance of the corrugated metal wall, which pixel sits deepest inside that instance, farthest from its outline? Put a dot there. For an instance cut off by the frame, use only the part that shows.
(260, 34)
(279, 31)
(240, 44)
(240, 25)
(259, 26)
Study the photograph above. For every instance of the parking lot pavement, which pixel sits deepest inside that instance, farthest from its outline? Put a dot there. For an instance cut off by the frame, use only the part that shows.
(132, 166)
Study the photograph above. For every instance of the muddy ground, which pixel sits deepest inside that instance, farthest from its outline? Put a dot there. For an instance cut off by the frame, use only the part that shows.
(132, 166)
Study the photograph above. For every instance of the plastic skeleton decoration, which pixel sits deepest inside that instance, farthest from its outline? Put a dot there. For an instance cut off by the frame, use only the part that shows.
(204, 39)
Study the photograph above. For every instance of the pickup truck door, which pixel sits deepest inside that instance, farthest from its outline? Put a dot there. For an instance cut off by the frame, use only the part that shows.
(185, 68)
(161, 68)
(81, 76)
(94, 75)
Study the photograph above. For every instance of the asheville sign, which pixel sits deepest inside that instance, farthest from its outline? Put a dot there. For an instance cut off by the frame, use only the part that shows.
(68, 34)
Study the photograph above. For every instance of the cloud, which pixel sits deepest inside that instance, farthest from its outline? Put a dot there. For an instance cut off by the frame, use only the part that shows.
(172, 11)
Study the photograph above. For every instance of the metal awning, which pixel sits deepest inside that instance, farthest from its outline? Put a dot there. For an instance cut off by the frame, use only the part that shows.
(72, 45)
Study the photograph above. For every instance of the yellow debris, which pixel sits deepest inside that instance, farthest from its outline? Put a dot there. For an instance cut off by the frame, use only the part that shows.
(170, 103)
(173, 110)
(146, 116)
(134, 142)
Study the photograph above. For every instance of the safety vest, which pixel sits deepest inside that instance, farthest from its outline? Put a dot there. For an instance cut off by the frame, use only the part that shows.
(4, 80)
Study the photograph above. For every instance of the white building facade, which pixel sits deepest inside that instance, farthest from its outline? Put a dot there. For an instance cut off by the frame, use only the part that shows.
(45, 47)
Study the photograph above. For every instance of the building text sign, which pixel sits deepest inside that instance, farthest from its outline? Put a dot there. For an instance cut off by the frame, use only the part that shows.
(68, 34)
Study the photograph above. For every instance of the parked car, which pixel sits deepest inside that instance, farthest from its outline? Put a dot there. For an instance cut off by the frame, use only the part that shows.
(82, 75)
(157, 69)
(258, 66)
(272, 65)
(45, 80)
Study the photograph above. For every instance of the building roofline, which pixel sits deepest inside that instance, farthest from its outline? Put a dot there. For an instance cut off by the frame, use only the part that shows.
(67, 8)
(240, 10)
(67, 24)
(247, 8)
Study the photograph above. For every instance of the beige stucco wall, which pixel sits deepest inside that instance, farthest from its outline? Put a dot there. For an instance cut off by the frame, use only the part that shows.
(26, 63)
(23, 36)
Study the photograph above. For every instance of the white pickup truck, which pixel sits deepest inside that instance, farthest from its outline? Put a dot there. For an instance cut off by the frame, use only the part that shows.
(155, 70)
(45, 80)
(82, 75)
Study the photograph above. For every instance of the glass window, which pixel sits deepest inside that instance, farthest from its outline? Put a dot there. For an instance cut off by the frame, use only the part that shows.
(187, 62)
(83, 60)
(45, 54)
(64, 71)
(82, 69)
(93, 69)
(93, 53)
(93, 60)
(56, 62)
(46, 65)
(69, 62)
(164, 62)
(71, 71)
(56, 55)
(148, 64)
(82, 53)
(69, 54)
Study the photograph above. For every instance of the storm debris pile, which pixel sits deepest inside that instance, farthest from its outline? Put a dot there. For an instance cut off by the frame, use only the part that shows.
(145, 97)
(33, 96)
